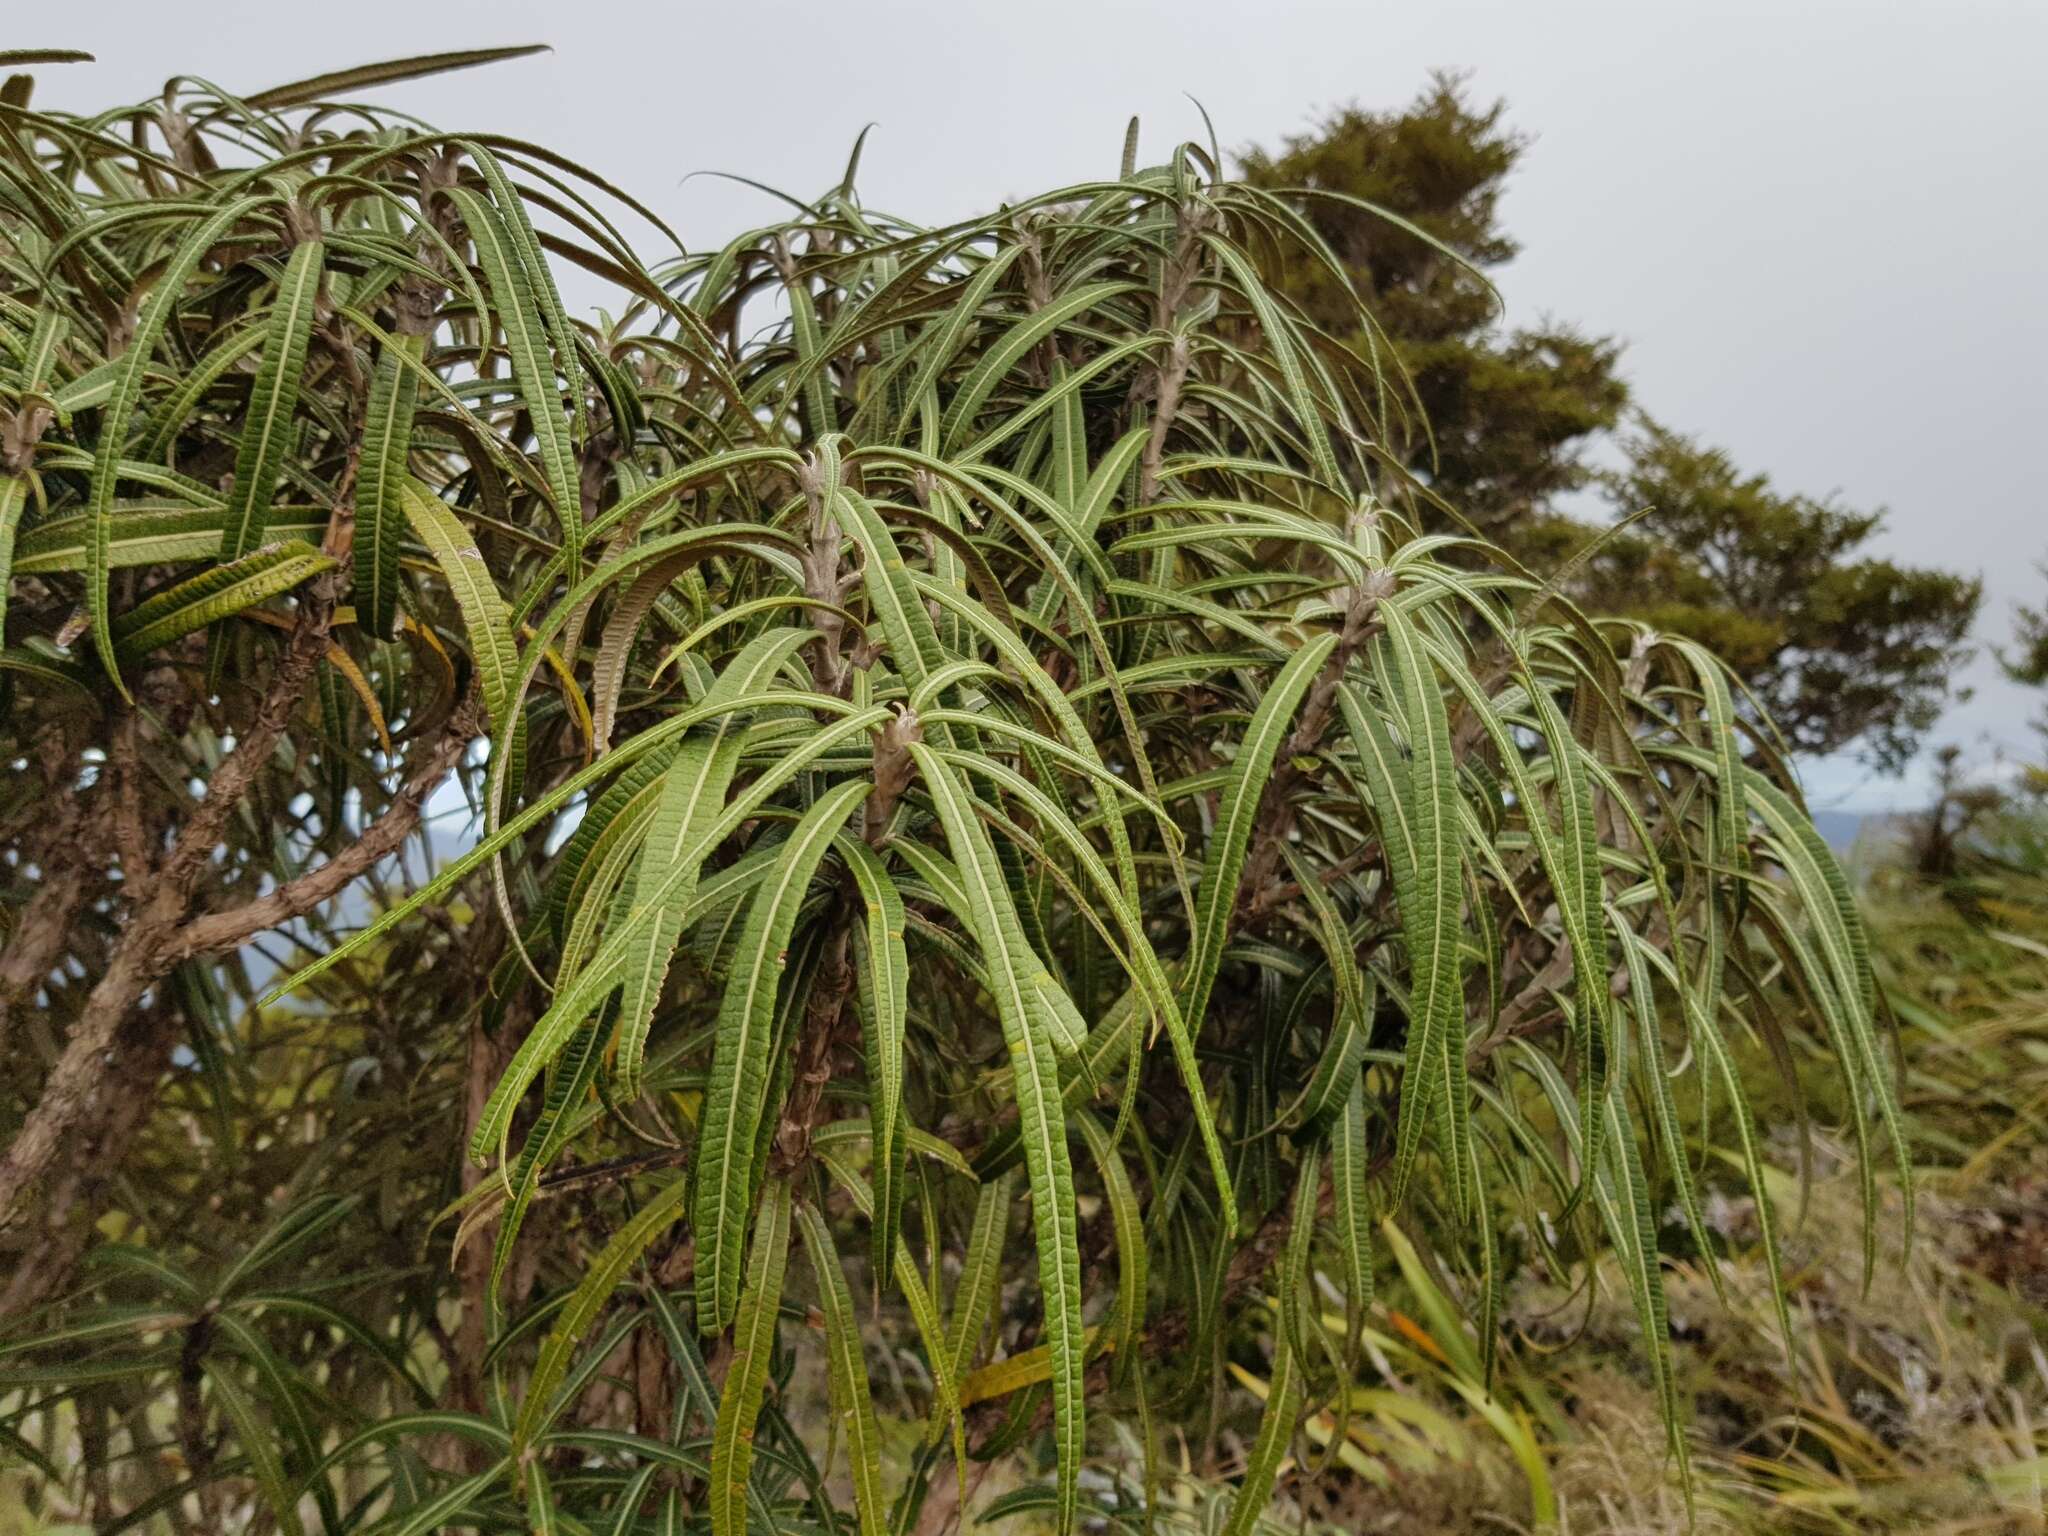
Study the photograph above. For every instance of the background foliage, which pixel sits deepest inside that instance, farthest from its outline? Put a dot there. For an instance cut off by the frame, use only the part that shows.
(1525, 432)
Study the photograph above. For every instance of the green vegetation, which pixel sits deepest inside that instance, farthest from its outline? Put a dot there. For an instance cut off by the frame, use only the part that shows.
(1017, 940)
(1919, 1403)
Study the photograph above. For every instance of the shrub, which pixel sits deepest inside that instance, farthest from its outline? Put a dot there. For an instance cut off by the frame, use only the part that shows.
(973, 785)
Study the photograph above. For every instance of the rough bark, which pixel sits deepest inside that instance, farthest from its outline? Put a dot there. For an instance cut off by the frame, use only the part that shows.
(159, 929)
(121, 1109)
(38, 940)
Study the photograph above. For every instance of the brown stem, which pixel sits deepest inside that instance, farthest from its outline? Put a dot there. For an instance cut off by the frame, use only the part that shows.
(653, 1384)
(232, 781)
(894, 767)
(218, 932)
(1526, 1014)
(1519, 1017)
(45, 926)
(199, 1449)
(129, 780)
(154, 943)
(1262, 900)
(142, 955)
(69, 1091)
(826, 582)
(1276, 804)
(831, 986)
(1171, 375)
(120, 1111)
(466, 1350)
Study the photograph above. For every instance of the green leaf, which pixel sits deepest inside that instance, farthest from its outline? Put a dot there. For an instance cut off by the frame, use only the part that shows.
(1352, 1004)
(14, 492)
(447, 1509)
(819, 416)
(273, 401)
(1022, 337)
(255, 1437)
(692, 797)
(1429, 900)
(753, 1344)
(1223, 865)
(363, 76)
(485, 617)
(539, 1407)
(550, 1132)
(1352, 1218)
(975, 1292)
(1034, 1076)
(1128, 1228)
(1269, 1446)
(512, 206)
(846, 1374)
(734, 1097)
(38, 362)
(521, 316)
(214, 595)
(147, 533)
(115, 416)
(1280, 337)
(883, 979)
(575, 1002)
(380, 480)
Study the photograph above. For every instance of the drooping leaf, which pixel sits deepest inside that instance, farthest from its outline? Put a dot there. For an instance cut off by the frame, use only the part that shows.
(846, 1374)
(736, 1095)
(214, 595)
(739, 1404)
(380, 481)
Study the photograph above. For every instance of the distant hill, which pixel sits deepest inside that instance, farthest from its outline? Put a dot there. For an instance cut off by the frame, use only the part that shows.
(1839, 827)
(1877, 835)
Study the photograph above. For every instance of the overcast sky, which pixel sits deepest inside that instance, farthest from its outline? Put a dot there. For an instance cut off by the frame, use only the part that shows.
(1819, 226)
